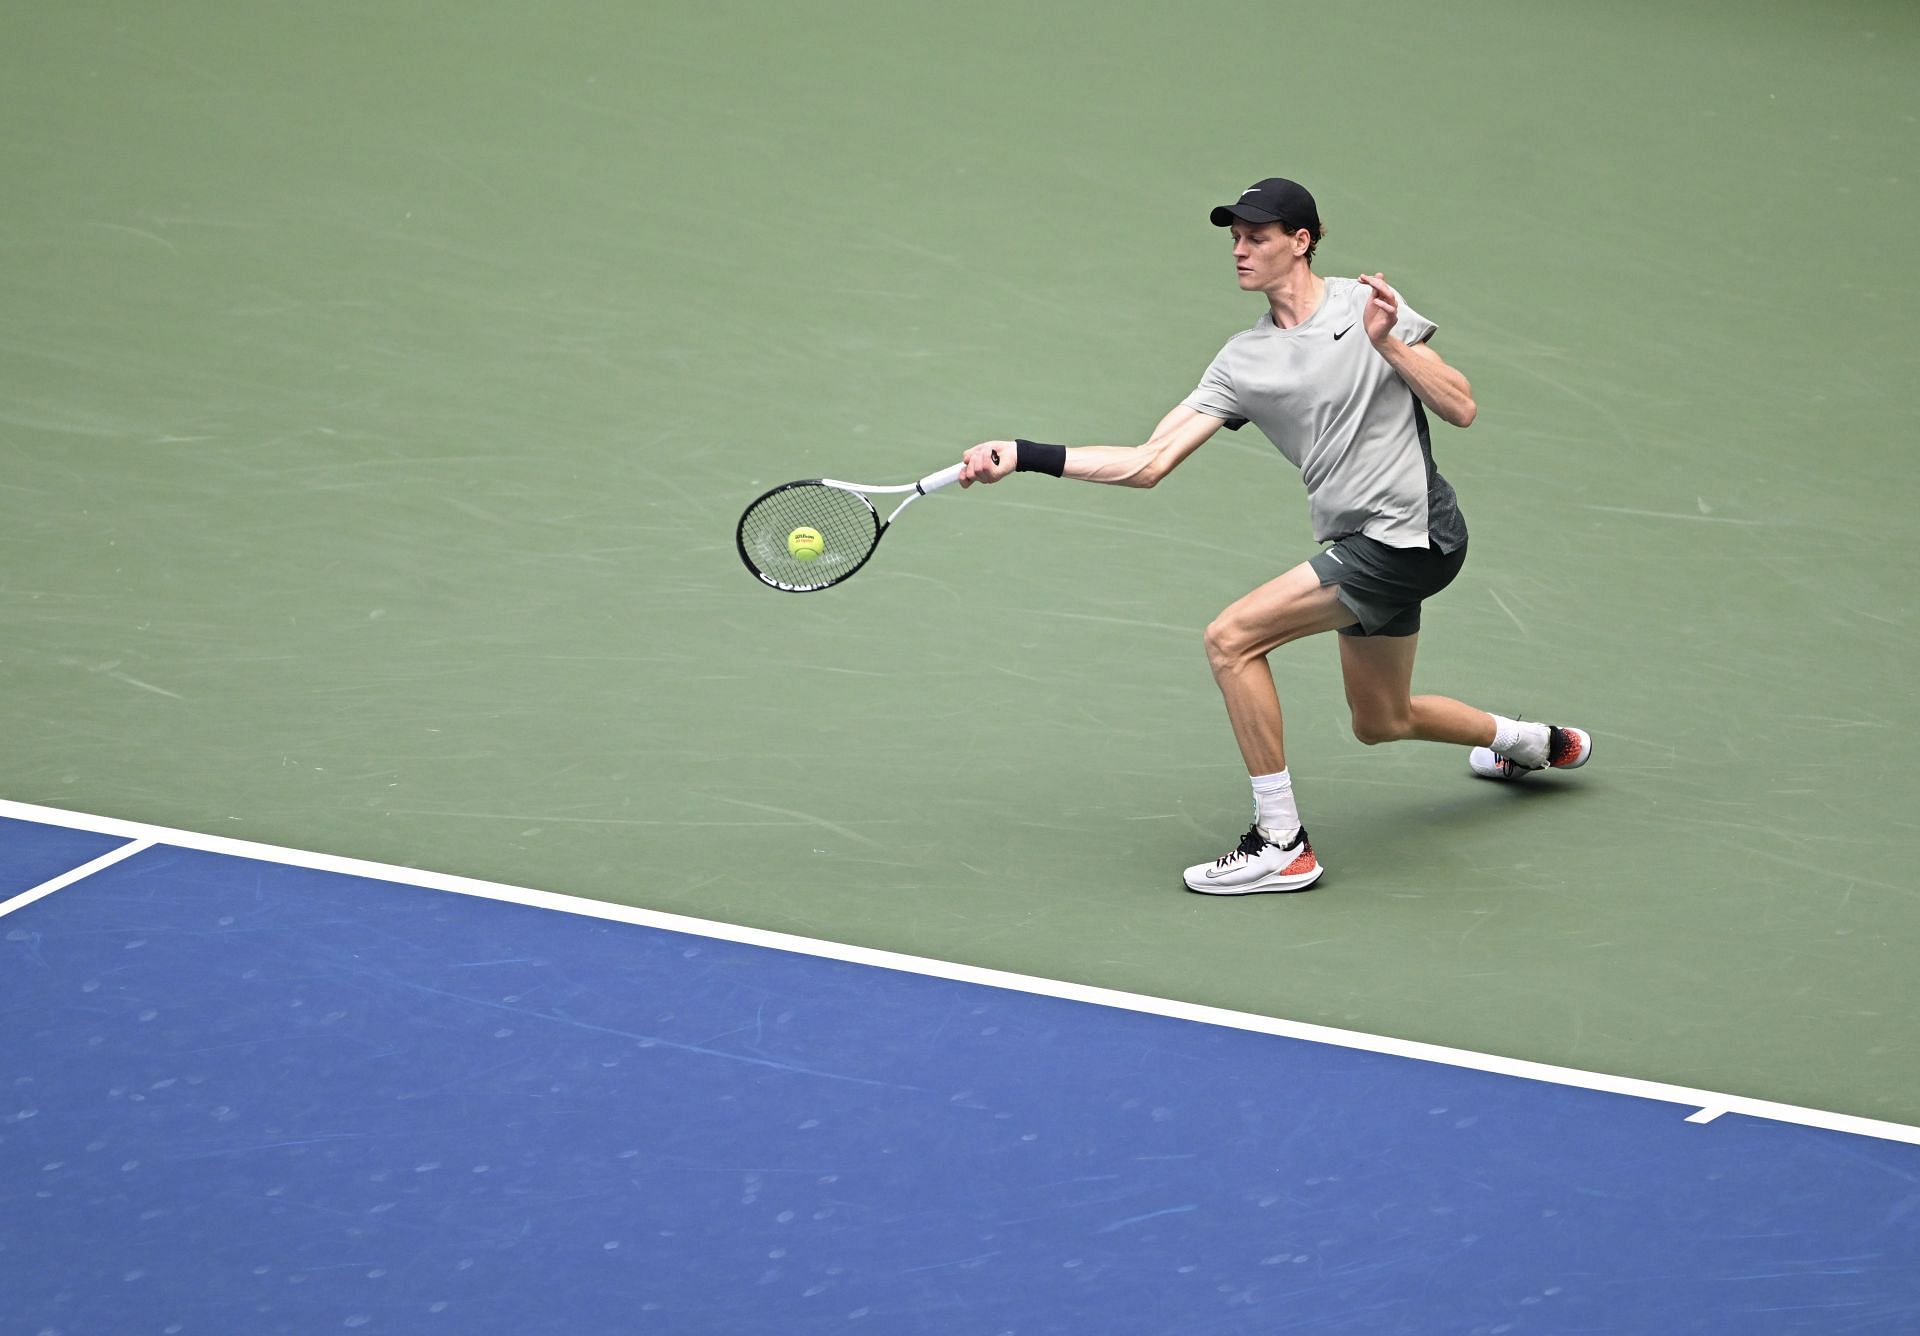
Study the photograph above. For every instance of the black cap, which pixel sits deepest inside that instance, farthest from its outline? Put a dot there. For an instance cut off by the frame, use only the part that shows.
(1274, 200)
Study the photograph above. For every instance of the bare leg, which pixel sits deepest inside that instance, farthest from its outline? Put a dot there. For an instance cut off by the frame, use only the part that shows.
(1238, 642)
(1379, 672)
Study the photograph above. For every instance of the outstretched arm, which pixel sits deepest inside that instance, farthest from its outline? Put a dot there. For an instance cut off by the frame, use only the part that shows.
(1179, 434)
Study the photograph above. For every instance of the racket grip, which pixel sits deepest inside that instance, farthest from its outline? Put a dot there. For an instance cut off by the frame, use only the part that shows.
(933, 482)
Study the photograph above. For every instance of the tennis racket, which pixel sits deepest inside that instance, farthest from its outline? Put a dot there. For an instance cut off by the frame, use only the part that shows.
(774, 543)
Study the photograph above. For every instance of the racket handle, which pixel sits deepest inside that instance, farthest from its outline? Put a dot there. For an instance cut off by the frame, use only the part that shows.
(933, 482)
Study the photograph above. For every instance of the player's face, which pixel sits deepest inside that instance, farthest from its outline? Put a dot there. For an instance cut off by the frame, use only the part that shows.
(1264, 253)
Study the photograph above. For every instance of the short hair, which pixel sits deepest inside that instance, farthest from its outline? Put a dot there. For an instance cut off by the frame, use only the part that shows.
(1312, 245)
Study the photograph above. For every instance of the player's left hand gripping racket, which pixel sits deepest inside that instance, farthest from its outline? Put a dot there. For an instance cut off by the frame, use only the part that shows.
(848, 525)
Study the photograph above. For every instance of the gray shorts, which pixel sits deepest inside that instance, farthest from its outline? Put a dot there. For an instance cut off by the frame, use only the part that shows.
(1382, 585)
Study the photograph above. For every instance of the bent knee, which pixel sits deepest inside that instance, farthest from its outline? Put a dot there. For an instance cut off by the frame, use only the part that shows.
(1374, 729)
(1225, 644)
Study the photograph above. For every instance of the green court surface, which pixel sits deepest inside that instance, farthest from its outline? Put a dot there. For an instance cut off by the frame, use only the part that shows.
(381, 384)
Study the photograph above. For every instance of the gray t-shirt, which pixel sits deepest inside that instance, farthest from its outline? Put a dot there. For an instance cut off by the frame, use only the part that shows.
(1326, 397)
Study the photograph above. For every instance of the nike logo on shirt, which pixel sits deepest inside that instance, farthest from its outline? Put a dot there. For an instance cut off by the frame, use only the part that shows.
(1347, 330)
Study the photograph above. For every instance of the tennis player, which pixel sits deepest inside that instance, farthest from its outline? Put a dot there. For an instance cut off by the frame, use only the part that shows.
(1340, 374)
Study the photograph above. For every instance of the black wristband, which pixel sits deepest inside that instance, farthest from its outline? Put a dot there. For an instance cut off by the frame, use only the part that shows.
(1037, 457)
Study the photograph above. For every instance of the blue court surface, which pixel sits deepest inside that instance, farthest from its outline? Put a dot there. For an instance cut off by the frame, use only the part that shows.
(249, 1094)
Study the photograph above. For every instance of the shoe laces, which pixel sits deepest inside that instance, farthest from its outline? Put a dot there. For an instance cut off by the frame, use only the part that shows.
(1250, 844)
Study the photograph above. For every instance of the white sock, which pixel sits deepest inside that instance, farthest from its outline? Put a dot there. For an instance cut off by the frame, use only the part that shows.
(1520, 741)
(1273, 808)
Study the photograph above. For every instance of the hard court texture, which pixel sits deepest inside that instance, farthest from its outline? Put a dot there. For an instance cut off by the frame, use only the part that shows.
(380, 387)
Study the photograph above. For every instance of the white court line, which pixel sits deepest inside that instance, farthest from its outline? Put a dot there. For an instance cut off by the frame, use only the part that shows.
(81, 873)
(1706, 1104)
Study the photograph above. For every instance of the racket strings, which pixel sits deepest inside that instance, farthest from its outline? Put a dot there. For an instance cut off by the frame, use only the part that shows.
(846, 522)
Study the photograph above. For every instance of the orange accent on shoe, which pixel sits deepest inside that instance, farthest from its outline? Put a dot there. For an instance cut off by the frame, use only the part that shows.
(1569, 747)
(1306, 862)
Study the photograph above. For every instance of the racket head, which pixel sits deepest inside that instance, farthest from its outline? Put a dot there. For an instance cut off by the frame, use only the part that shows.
(848, 525)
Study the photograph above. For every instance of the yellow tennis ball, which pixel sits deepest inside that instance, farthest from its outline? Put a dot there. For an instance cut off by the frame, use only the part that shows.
(805, 544)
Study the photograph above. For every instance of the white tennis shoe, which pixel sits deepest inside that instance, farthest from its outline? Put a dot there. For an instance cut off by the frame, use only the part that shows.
(1567, 749)
(1257, 864)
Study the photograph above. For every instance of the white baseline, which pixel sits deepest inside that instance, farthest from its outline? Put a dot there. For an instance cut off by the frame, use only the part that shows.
(1706, 1105)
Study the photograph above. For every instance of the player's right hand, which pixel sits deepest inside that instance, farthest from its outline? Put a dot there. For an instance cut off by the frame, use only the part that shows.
(989, 461)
